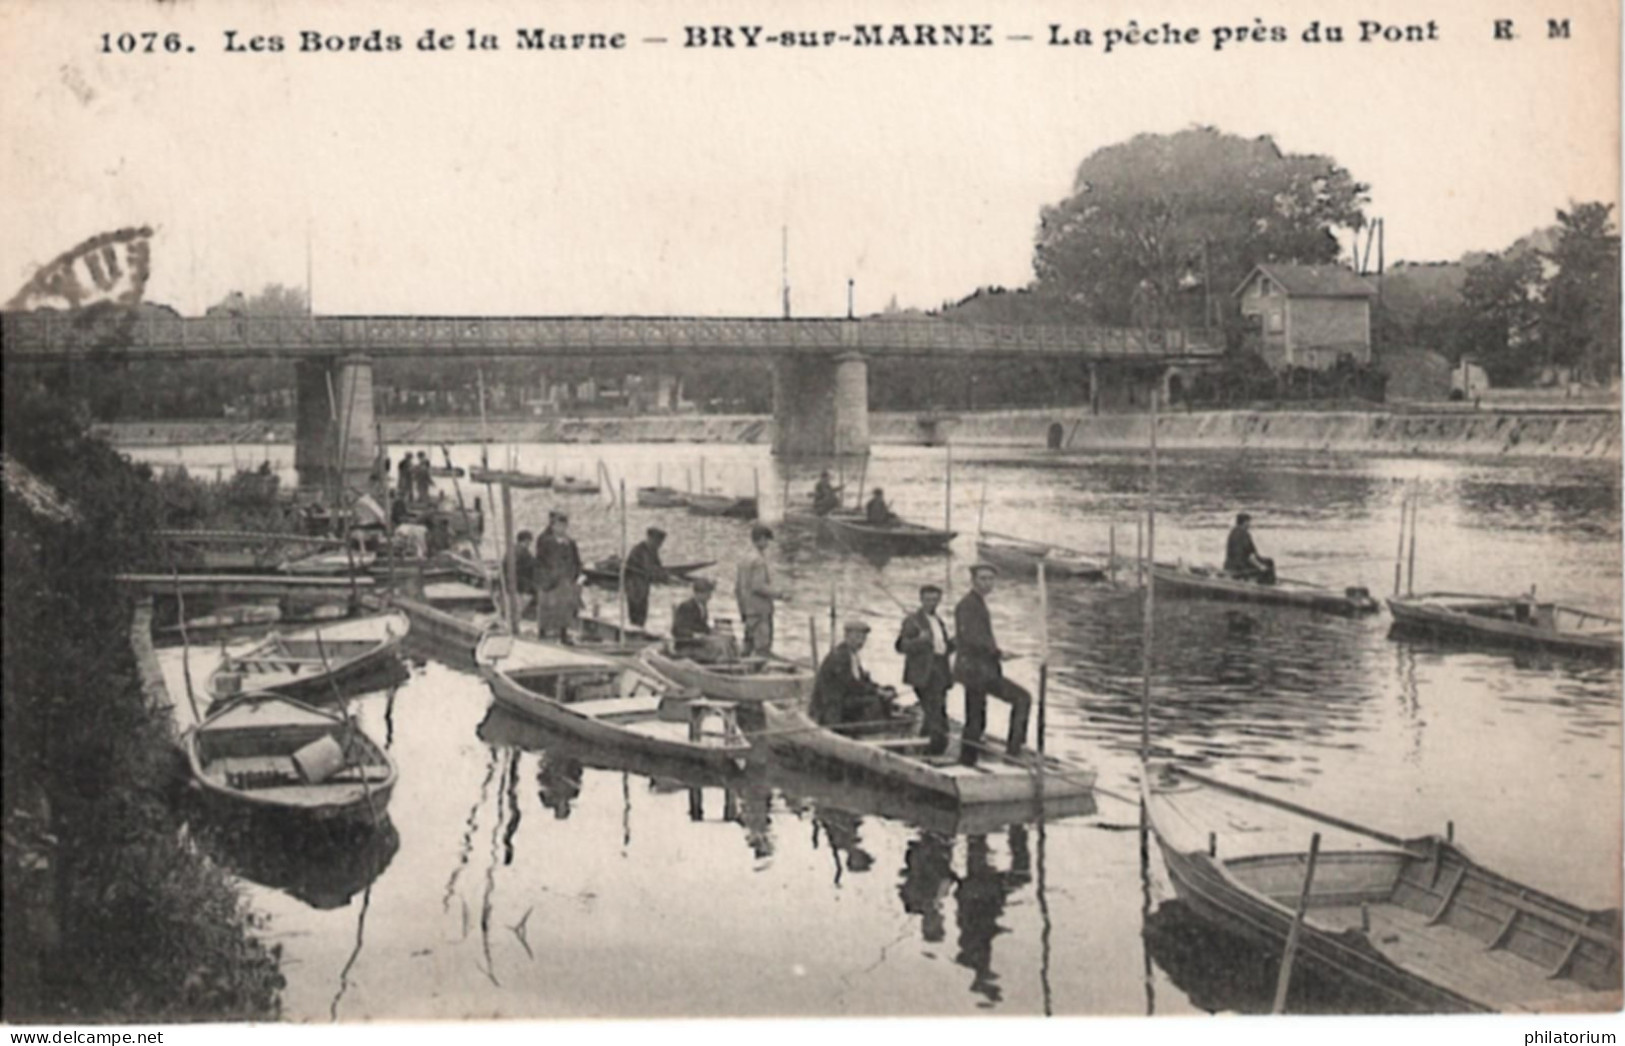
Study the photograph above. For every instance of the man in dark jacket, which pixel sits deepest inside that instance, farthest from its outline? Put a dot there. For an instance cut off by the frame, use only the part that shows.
(1241, 558)
(979, 668)
(691, 622)
(924, 641)
(843, 691)
(558, 579)
(404, 476)
(643, 569)
(877, 513)
(523, 581)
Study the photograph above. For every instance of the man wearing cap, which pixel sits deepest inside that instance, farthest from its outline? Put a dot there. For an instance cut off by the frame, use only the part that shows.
(924, 641)
(558, 578)
(691, 622)
(643, 569)
(843, 691)
(754, 592)
(978, 666)
(1241, 558)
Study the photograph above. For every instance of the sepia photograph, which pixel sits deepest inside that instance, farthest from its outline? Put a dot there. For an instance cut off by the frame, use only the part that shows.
(540, 511)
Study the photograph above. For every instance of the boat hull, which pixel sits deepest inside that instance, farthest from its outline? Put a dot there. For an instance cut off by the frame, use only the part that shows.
(1181, 582)
(661, 497)
(1015, 559)
(904, 539)
(321, 687)
(792, 685)
(1416, 617)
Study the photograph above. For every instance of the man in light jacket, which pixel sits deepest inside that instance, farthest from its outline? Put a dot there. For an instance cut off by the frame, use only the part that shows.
(755, 594)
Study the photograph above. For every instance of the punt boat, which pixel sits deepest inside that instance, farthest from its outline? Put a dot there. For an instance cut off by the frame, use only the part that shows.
(721, 505)
(607, 571)
(1016, 556)
(313, 663)
(750, 680)
(511, 478)
(609, 702)
(661, 497)
(1416, 921)
(572, 485)
(446, 471)
(1518, 621)
(896, 539)
(1213, 583)
(894, 754)
(268, 753)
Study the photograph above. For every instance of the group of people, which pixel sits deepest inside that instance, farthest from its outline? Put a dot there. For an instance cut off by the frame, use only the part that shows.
(935, 659)
(414, 477)
(826, 498)
(547, 577)
(694, 634)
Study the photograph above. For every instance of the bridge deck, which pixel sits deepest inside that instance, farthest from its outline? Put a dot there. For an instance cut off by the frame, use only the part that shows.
(48, 336)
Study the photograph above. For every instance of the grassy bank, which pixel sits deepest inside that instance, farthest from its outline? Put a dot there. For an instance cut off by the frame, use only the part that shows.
(110, 912)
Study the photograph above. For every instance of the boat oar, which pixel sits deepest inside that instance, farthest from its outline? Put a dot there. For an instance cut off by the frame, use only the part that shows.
(1284, 981)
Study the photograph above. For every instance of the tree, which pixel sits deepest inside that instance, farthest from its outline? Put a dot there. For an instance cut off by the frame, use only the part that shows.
(1500, 315)
(1153, 219)
(1579, 316)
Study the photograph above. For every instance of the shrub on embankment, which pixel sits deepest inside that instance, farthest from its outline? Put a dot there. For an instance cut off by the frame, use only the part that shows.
(109, 912)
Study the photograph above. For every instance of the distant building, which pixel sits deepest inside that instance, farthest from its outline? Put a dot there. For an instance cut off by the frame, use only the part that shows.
(1309, 315)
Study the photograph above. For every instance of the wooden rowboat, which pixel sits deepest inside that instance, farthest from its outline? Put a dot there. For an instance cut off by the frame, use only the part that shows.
(329, 563)
(265, 752)
(751, 680)
(661, 497)
(571, 485)
(1213, 583)
(313, 664)
(1517, 621)
(893, 754)
(1416, 921)
(446, 471)
(607, 571)
(1022, 558)
(511, 478)
(721, 505)
(608, 702)
(898, 539)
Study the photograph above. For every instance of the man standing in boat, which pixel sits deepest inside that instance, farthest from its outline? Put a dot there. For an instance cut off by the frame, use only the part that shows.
(523, 581)
(558, 579)
(1241, 558)
(643, 570)
(924, 641)
(979, 667)
(755, 594)
(843, 691)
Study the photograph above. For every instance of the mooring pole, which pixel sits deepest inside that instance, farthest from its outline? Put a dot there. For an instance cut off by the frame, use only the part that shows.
(1149, 638)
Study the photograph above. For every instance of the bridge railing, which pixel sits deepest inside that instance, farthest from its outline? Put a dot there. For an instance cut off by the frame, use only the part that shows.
(43, 335)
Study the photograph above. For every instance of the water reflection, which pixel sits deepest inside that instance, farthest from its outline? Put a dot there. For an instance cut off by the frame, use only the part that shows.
(324, 868)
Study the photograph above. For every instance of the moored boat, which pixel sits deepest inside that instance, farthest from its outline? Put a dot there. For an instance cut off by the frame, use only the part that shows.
(721, 505)
(330, 563)
(1022, 558)
(894, 754)
(607, 571)
(315, 663)
(267, 752)
(446, 471)
(609, 702)
(1518, 621)
(572, 485)
(896, 539)
(1213, 583)
(661, 497)
(751, 680)
(1417, 920)
(511, 478)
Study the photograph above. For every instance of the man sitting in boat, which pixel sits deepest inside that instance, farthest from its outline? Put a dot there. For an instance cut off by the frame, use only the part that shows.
(644, 569)
(877, 513)
(691, 633)
(1241, 558)
(826, 496)
(843, 691)
(923, 640)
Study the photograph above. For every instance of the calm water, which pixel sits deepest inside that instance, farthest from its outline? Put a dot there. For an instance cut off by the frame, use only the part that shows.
(523, 877)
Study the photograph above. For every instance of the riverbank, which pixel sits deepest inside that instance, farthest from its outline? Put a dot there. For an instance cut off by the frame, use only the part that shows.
(1434, 432)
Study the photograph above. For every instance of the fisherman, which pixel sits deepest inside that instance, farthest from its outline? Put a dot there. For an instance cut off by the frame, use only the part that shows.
(843, 691)
(1241, 558)
(421, 477)
(691, 631)
(403, 472)
(754, 592)
(877, 513)
(440, 539)
(397, 509)
(522, 582)
(558, 579)
(978, 666)
(826, 496)
(925, 642)
(644, 569)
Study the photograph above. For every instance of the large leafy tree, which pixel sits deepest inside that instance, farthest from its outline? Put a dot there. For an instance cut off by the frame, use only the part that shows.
(1128, 245)
(1579, 316)
(1500, 314)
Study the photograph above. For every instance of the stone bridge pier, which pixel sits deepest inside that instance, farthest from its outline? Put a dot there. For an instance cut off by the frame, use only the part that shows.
(336, 430)
(821, 406)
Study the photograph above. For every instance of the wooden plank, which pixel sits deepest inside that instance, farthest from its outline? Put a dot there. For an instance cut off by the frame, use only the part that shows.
(1449, 894)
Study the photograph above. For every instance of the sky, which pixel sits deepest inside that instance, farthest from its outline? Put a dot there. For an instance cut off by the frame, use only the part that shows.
(660, 179)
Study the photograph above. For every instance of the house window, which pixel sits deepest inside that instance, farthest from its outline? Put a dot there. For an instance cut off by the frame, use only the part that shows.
(1277, 321)
(1263, 286)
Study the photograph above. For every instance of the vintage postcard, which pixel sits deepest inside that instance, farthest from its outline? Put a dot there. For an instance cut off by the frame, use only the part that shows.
(530, 511)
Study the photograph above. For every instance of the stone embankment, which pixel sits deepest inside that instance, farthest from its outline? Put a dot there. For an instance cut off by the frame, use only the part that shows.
(1446, 432)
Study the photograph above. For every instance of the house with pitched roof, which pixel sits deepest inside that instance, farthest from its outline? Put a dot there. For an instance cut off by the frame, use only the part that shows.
(1308, 315)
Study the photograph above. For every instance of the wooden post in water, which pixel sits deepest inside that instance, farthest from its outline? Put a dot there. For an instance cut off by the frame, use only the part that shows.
(812, 639)
(1399, 553)
(1111, 556)
(702, 475)
(623, 561)
(756, 489)
(1043, 661)
(509, 562)
(1284, 981)
(948, 513)
(1139, 552)
(1149, 638)
(1410, 570)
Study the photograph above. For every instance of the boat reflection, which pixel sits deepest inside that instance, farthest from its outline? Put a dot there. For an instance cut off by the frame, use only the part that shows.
(322, 867)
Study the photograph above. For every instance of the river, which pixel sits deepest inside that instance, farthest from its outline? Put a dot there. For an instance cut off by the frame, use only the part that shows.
(522, 878)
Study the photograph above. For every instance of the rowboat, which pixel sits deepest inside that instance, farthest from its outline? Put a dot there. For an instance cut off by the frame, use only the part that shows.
(511, 478)
(1022, 557)
(315, 663)
(751, 680)
(1507, 621)
(446, 471)
(661, 497)
(328, 563)
(896, 539)
(607, 571)
(1213, 583)
(571, 485)
(269, 753)
(508, 729)
(606, 702)
(1417, 921)
(893, 754)
(721, 505)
